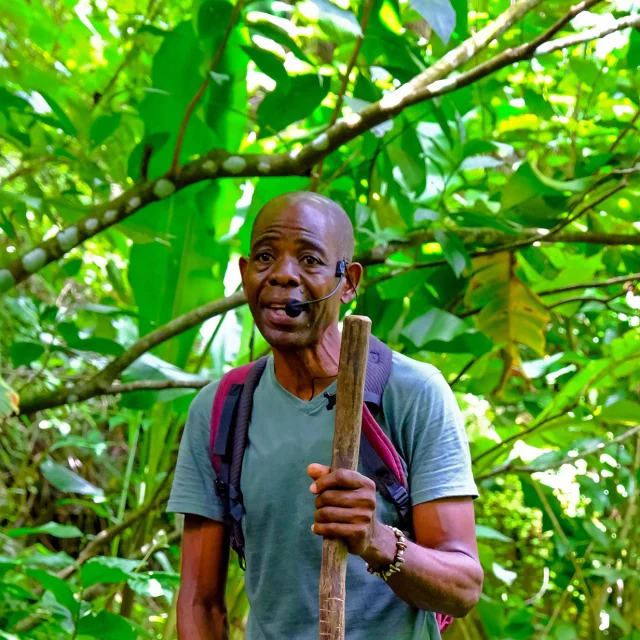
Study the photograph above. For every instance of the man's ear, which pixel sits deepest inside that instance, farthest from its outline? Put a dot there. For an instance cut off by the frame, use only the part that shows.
(243, 263)
(352, 280)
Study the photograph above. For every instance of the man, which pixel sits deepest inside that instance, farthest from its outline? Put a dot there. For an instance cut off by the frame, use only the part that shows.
(296, 241)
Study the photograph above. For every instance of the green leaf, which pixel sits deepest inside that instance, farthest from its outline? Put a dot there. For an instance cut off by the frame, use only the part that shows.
(24, 353)
(9, 399)
(574, 186)
(303, 95)
(587, 71)
(270, 64)
(436, 329)
(50, 528)
(523, 186)
(66, 480)
(538, 105)
(274, 31)
(454, 251)
(59, 588)
(214, 17)
(103, 127)
(63, 120)
(189, 268)
(483, 531)
(107, 570)
(106, 626)
(625, 411)
(339, 24)
(97, 345)
(439, 14)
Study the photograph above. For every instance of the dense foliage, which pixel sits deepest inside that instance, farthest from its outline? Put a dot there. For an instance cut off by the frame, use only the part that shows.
(487, 153)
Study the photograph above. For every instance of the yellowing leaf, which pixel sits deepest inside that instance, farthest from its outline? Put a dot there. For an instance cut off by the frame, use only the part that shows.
(511, 314)
(9, 399)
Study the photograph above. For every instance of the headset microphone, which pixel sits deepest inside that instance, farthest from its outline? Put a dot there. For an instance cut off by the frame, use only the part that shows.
(294, 308)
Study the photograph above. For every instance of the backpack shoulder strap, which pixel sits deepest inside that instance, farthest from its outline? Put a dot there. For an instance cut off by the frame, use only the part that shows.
(378, 370)
(230, 418)
(379, 456)
(227, 395)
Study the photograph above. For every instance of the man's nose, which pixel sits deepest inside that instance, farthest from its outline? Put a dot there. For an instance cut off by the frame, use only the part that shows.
(285, 273)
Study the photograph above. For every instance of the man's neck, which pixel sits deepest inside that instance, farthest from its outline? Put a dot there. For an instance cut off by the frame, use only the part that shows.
(307, 372)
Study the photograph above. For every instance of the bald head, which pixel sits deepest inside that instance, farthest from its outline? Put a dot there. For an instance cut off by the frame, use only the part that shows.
(336, 227)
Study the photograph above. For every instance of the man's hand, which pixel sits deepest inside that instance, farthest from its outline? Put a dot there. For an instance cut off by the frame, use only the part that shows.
(346, 509)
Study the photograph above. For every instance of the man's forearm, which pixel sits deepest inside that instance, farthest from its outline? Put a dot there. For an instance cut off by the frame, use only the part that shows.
(448, 582)
(198, 621)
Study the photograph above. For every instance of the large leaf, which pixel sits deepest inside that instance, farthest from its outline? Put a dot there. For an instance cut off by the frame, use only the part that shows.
(304, 94)
(339, 24)
(438, 330)
(58, 587)
(66, 480)
(439, 14)
(511, 314)
(51, 529)
(107, 570)
(188, 270)
(24, 353)
(454, 251)
(106, 626)
(9, 399)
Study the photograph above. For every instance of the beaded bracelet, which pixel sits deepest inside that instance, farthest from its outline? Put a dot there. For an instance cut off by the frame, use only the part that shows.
(395, 566)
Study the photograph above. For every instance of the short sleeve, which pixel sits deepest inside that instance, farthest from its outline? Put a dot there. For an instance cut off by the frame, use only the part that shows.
(440, 461)
(193, 489)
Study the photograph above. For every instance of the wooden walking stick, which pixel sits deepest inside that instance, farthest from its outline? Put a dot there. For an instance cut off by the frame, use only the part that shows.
(354, 352)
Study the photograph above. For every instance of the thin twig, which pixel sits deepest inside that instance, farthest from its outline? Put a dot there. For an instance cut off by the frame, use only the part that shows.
(203, 87)
(154, 385)
(511, 468)
(366, 12)
(591, 285)
(595, 618)
(624, 132)
(604, 301)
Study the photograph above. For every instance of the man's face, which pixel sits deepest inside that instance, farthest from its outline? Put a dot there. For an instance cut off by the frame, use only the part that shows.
(293, 256)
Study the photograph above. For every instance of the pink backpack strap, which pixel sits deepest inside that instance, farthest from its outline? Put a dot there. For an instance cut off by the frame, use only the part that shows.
(443, 621)
(380, 442)
(235, 376)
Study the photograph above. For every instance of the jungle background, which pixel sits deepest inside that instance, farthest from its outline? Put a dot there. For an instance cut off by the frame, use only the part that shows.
(488, 155)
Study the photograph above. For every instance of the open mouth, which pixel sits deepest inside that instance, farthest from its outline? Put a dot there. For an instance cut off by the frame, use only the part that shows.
(277, 309)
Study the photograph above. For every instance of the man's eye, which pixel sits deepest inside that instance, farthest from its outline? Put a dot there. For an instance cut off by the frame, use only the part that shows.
(311, 261)
(263, 257)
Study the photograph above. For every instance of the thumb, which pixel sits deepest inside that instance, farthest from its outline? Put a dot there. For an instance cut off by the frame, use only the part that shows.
(316, 471)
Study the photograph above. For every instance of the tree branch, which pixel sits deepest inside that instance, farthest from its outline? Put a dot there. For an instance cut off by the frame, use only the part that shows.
(624, 132)
(366, 12)
(221, 164)
(588, 35)
(203, 87)
(154, 385)
(591, 285)
(604, 301)
(101, 382)
(509, 467)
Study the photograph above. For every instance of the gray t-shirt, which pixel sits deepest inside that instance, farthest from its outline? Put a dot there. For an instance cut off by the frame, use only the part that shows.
(283, 555)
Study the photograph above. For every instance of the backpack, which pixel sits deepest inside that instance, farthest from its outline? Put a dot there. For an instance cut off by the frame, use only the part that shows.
(228, 439)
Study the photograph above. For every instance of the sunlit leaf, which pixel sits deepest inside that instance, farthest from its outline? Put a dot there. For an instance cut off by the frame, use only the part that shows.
(66, 480)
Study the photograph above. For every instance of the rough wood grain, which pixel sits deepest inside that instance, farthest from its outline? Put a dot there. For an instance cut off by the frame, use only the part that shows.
(354, 352)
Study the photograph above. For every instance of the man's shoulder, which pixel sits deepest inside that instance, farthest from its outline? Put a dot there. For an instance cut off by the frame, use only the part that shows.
(412, 376)
(202, 404)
